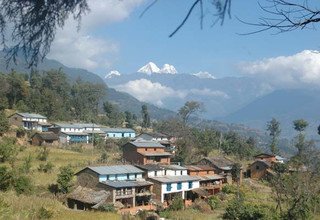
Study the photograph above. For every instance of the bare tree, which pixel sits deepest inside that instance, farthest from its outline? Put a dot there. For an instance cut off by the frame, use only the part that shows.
(30, 25)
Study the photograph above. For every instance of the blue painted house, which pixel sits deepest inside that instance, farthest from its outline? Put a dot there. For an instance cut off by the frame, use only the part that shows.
(125, 183)
(30, 121)
(119, 132)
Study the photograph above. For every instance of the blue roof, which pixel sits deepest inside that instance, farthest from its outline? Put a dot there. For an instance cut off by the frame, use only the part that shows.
(117, 169)
(31, 115)
(118, 130)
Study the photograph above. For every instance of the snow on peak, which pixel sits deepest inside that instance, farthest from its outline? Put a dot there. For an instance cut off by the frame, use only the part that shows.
(204, 75)
(149, 68)
(167, 68)
(112, 74)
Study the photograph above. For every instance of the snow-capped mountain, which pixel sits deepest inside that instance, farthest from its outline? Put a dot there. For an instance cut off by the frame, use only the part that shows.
(169, 69)
(112, 74)
(204, 75)
(151, 67)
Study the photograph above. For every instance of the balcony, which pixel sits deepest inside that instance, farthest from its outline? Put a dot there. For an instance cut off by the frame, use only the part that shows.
(124, 193)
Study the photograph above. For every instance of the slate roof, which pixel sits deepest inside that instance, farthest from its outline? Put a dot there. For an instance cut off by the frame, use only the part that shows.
(31, 115)
(116, 169)
(174, 179)
(265, 155)
(89, 196)
(211, 177)
(47, 136)
(118, 130)
(67, 125)
(144, 143)
(221, 162)
(155, 167)
(199, 168)
(128, 183)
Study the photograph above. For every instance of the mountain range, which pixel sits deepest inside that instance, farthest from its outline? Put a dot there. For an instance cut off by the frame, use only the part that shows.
(250, 101)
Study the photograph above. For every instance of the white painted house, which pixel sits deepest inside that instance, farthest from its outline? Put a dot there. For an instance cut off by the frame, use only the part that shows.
(170, 181)
(30, 121)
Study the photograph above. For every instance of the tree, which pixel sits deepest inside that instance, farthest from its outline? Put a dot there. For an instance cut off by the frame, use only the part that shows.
(65, 179)
(4, 123)
(189, 108)
(145, 116)
(273, 127)
(300, 125)
(33, 25)
(115, 118)
(236, 176)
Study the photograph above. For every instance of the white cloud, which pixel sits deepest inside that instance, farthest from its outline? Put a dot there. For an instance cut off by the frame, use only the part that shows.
(145, 90)
(300, 69)
(204, 75)
(154, 92)
(209, 92)
(83, 49)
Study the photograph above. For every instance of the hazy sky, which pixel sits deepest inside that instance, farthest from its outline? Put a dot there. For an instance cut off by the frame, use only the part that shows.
(112, 36)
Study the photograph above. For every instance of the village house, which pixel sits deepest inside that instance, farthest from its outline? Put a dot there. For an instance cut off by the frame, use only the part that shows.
(210, 183)
(45, 139)
(163, 139)
(119, 132)
(124, 182)
(70, 133)
(259, 169)
(29, 121)
(170, 181)
(266, 157)
(145, 152)
(220, 165)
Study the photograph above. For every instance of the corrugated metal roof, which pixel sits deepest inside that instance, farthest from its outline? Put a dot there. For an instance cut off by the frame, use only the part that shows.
(211, 177)
(31, 115)
(174, 179)
(144, 143)
(117, 169)
(75, 133)
(118, 130)
(76, 125)
(199, 168)
(123, 184)
(153, 167)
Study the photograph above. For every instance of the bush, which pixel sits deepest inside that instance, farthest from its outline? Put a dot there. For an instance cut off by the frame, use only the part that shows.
(229, 189)
(214, 202)
(76, 148)
(5, 211)
(103, 158)
(20, 132)
(238, 209)
(8, 149)
(202, 206)
(23, 185)
(5, 178)
(107, 208)
(44, 213)
(46, 168)
(43, 154)
(4, 123)
(27, 163)
(177, 204)
(65, 179)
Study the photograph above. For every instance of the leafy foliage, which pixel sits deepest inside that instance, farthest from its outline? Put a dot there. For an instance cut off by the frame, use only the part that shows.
(273, 127)
(8, 149)
(5, 178)
(22, 184)
(145, 116)
(65, 179)
(177, 204)
(43, 154)
(4, 123)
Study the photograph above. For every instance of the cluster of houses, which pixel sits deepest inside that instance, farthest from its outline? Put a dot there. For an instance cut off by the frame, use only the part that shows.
(148, 180)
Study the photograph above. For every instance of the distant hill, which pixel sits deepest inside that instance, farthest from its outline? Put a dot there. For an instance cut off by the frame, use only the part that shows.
(285, 106)
(125, 101)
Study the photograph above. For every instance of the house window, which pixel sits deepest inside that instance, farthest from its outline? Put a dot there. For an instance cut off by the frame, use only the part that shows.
(155, 173)
(190, 184)
(128, 176)
(179, 186)
(181, 172)
(122, 134)
(116, 177)
(114, 135)
(257, 167)
(145, 149)
(155, 149)
(169, 187)
(135, 176)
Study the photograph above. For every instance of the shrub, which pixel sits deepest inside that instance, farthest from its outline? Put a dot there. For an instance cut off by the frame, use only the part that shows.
(27, 163)
(229, 189)
(5, 211)
(177, 204)
(107, 208)
(44, 213)
(76, 148)
(5, 178)
(4, 123)
(20, 132)
(43, 154)
(65, 179)
(46, 168)
(8, 149)
(213, 202)
(202, 206)
(103, 158)
(23, 185)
